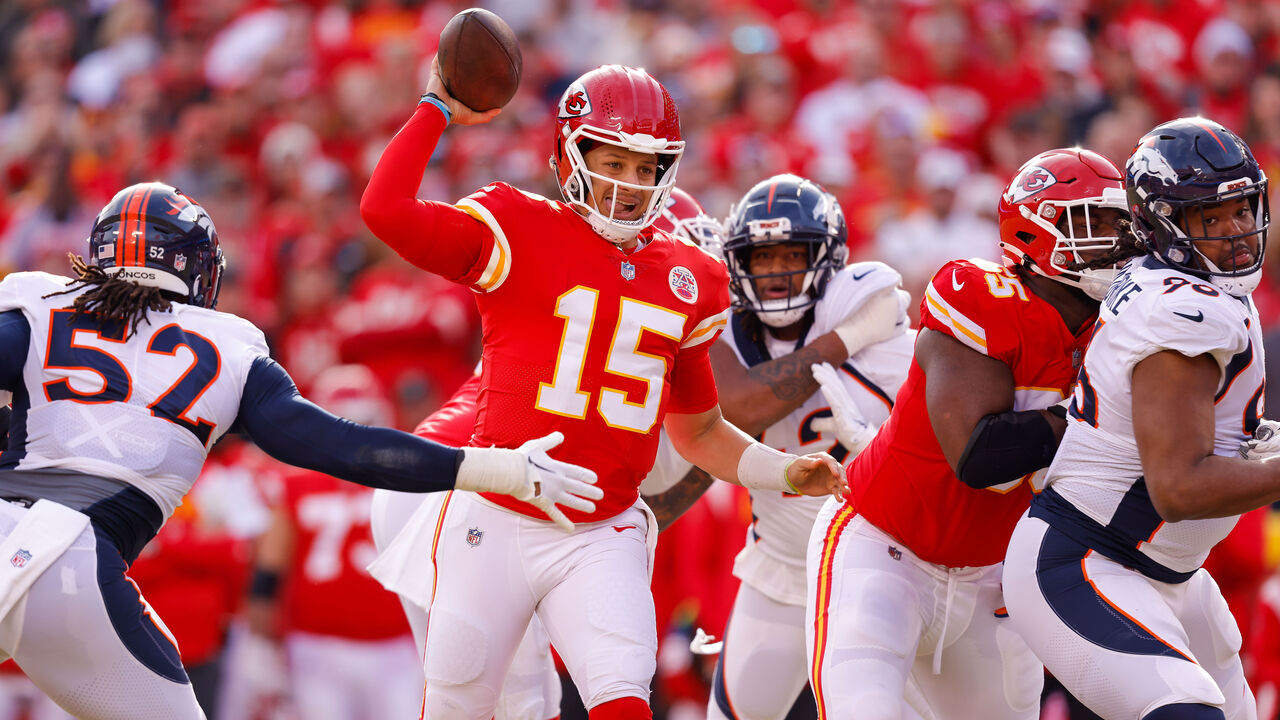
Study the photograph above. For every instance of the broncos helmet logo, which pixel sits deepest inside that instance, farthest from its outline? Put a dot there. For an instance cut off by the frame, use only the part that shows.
(1146, 160)
(575, 102)
(1029, 182)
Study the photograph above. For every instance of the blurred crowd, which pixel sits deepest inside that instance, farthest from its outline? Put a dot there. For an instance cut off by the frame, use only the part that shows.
(272, 114)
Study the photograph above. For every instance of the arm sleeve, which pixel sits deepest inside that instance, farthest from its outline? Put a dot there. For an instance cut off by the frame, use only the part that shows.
(957, 302)
(437, 237)
(292, 430)
(15, 336)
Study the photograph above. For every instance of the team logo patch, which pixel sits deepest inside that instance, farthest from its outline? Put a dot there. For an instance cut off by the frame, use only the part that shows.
(575, 102)
(683, 284)
(474, 536)
(1147, 160)
(1030, 181)
(628, 271)
(20, 558)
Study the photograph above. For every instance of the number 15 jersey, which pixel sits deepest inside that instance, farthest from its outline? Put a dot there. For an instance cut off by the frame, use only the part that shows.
(583, 338)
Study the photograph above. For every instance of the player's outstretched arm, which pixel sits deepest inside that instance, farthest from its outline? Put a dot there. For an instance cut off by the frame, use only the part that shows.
(292, 430)
(707, 440)
(757, 397)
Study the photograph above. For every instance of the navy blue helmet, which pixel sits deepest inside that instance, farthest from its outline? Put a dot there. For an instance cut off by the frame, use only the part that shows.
(1178, 170)
(152, 234)
(784, 209)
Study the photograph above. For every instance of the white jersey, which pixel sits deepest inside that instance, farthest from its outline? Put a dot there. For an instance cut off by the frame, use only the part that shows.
(144, 408)
(1151, 308)
(773, 560)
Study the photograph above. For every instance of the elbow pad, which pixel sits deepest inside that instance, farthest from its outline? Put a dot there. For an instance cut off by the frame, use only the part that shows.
(1005, 447)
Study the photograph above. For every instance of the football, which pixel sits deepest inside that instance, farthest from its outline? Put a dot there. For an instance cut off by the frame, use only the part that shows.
(479, 59)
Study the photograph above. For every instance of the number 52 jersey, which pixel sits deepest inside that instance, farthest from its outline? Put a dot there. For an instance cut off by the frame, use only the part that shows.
(1095, 485)
(140, 407)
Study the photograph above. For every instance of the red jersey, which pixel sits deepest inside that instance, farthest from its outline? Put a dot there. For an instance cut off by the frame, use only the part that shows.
(329, 591)
(579, 336)
(454, 422)
(901, 482)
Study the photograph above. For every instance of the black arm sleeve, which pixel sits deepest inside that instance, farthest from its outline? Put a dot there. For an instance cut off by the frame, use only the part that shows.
(15, 336)
(1005, 447)
(292, 430)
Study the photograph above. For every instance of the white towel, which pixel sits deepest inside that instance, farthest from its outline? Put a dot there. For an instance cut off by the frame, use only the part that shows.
(43, 534)
(405, 566)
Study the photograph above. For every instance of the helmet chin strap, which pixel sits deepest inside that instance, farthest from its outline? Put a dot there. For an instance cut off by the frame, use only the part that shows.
(780, 317)
(1233, 285)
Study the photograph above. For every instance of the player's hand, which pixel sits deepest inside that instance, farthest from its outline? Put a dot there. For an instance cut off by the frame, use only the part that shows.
(704, 644)
(462, 115)
(549, 482)
(846, 422)
(816, 475)
(1265, 444)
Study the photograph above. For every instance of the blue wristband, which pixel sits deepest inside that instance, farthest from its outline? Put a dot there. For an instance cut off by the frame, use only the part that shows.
(435, 100)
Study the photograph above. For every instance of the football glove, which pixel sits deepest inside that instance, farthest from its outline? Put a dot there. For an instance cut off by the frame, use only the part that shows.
(704, 644)
(846, 422)
(529, 474)
(1265, 443)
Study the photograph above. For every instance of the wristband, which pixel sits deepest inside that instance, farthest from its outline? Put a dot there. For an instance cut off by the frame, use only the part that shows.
(434, 99)
(763, 468)
(491, 470)
(265, 584)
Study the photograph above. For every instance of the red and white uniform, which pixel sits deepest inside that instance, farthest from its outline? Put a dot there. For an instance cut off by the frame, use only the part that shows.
(909, 564)
(579, 337)
(348, 645)
(531, 690)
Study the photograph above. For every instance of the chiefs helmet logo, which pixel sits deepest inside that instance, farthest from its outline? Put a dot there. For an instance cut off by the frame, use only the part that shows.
(575, 102)
(1029, 182)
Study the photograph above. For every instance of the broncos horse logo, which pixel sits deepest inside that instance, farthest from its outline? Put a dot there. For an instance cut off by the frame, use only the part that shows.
(1147, 160)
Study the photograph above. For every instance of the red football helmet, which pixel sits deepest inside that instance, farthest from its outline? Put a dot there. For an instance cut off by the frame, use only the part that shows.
(627, 108)
(683, 217)
(1036, 212)
(353, 392)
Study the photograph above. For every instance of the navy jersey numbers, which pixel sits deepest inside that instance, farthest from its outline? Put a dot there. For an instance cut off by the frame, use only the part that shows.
(174, 404)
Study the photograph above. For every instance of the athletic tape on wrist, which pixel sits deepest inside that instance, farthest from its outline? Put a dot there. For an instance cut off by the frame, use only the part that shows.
(763, 468)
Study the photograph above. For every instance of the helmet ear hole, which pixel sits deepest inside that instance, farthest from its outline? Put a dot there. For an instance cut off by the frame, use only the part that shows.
(1025, 237)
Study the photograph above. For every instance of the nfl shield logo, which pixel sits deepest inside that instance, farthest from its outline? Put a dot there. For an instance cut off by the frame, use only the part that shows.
(20, 558)
(180, 262)
(628, 271)
(473, 536)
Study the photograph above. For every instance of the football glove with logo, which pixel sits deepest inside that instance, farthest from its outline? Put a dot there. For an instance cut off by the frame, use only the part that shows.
(529, 474)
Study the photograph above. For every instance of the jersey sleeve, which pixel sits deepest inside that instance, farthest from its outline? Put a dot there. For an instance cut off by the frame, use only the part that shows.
(693, 386)
(963, 303)
(498, 207)
(1185, 322)
(437, 237)
(22, 290)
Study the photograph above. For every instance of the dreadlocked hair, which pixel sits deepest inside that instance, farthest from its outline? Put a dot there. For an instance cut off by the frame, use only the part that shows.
(112, 299)
(1127, 246)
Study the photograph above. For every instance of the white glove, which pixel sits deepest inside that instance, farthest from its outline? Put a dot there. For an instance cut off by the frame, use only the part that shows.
(876, 318)
(262, 664)
(850, 428)
(704, 644)
(529, 474)
(1265, 443)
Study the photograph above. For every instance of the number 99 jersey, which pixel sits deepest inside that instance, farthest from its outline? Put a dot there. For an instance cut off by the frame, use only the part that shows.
(142, 408)
(584, 338)
(1095, 483)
